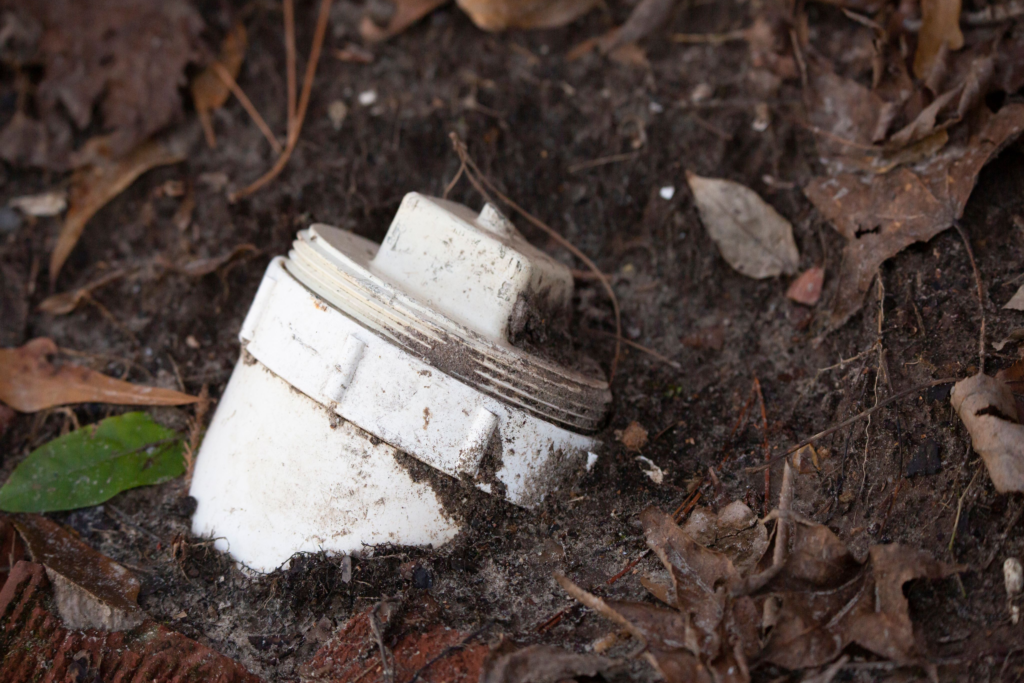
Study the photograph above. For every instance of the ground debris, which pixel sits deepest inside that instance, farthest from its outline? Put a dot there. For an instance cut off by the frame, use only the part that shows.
(752, 237)
(733, 606)
(29, 382)
(992, 416)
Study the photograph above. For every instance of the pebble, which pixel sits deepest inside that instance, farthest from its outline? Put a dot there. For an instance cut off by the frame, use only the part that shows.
(667, 192)
(367, 97)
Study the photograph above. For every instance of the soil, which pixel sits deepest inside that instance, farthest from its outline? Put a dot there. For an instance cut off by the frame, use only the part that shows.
(529, 117)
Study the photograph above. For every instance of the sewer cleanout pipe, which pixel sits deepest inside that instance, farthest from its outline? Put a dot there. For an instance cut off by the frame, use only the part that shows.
(357, 357)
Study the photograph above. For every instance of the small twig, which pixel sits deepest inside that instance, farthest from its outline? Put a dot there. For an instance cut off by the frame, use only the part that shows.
(224, 75)
(480, 182)
(300, 116)
(767, 448)
(959, 510)
(710, 38)
(651, 352)
(981, 295)
(859, 416)
(625, 570)
(600, 161)
(289, 59)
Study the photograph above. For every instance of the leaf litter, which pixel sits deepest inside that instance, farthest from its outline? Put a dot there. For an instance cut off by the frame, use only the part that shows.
(29, 382)
(731, 607)
(124, 59)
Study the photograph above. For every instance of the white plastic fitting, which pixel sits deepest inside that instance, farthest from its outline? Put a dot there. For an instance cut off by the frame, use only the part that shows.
(357, 356)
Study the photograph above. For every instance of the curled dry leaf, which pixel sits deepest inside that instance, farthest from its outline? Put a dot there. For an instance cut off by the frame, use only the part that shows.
(93, 186)
(65, 302)
(1016, 302)
(940, 25)
(204, 266)
(498, 15)
(92, 591)
(735, 531)
(752, 237)
(989, 411)
(29, 382)
(881, 215)
(806, 289)
(209, 92)
(407, 13)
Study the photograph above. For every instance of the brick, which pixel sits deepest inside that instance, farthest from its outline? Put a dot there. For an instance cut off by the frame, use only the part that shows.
(36, 647)
(417, 640)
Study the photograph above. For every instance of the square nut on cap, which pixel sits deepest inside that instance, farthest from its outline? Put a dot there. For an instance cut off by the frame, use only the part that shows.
(475, 268)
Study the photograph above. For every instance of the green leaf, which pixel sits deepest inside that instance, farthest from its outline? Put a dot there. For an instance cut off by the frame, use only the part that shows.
(93, 464)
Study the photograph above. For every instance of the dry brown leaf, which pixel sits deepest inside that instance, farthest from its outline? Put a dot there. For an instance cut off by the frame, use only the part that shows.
(845, 112)
(881, 215)
(93, 186)
(806, 289)
(124, 59)
(752, 237)
(498, 15)
(822, 598)
(924, 124)
(1013, 377)
(407, 13)
(92, 591)
(940, 24)
(29, 382)
(1016, 302)
(209, 92)
(829, 601)
(709, 635)
(989, 411)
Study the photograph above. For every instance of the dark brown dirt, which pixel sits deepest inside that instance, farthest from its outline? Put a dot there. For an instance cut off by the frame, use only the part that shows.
(528, 117)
